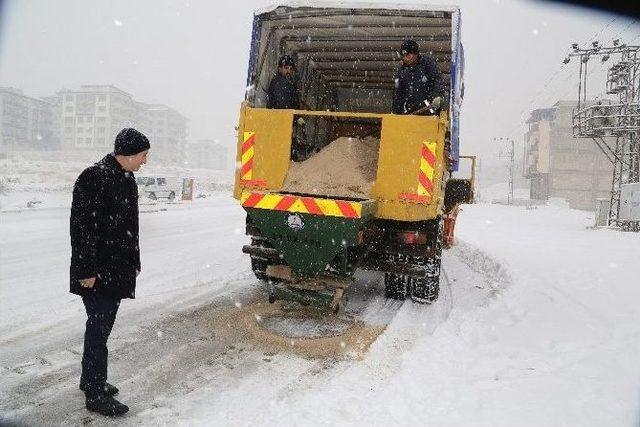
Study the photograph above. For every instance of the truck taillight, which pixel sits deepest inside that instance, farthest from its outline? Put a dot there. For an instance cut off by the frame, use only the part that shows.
(412, 237)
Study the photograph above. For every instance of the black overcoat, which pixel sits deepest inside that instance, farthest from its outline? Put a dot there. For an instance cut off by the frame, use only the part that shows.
(104, 230)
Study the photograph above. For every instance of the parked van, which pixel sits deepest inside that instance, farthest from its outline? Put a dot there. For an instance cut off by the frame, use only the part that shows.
(158, 187)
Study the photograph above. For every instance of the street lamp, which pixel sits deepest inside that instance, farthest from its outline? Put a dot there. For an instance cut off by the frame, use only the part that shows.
(511, 166)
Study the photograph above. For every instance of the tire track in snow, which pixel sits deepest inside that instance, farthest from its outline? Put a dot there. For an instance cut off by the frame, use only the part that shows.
(167, 361)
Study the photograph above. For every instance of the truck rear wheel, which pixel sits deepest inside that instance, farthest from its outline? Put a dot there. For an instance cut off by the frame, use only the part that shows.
(395, 286)
(427, 289)
(420, 289)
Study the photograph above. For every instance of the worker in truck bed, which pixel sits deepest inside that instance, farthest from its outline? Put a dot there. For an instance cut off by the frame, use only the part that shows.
(283, 93)
(419, 86)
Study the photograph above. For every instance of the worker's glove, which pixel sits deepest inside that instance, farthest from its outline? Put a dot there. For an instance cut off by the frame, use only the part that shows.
(428, 109)
(436, 103)
(300, 121)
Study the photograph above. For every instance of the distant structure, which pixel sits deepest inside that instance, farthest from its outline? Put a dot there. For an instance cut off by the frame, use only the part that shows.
(27, 123)
(167, 131)
(87, 120)
(613, 124)
(559, 165)
(92, 116)
(209, 154)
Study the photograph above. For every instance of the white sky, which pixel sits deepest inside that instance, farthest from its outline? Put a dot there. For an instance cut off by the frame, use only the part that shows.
(192, 56)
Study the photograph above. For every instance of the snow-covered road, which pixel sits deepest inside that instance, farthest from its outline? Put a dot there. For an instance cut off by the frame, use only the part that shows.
(536, 325)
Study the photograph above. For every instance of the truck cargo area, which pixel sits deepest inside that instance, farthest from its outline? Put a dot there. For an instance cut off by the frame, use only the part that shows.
(346, 57)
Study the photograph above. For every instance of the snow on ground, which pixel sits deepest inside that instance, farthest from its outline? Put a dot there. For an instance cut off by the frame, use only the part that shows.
(553, 342)
(537, 325)
(180, 248)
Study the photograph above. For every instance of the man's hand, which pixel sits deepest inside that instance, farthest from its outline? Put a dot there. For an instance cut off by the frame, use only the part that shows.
(137, 273)
(88, 283)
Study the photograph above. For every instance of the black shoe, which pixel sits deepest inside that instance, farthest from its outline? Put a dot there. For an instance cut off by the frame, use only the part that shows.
(106, 405)
(109, 389)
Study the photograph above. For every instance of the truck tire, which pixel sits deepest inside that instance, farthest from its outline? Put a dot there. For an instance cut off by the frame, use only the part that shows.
(426, 290)
(395, 286)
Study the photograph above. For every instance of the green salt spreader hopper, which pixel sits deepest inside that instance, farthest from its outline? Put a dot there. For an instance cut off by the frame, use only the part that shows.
(311, 250)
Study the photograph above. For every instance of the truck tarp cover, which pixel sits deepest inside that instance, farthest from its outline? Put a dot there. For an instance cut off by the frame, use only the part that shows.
(347, 54)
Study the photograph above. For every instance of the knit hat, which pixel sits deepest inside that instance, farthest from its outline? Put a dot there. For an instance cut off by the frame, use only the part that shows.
(409, 46)
(286, 60)
(129, 142)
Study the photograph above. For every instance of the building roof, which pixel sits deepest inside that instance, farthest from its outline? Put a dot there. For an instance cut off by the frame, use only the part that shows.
(540, 114)
(96, 89)
(162, 107)
(18, 92)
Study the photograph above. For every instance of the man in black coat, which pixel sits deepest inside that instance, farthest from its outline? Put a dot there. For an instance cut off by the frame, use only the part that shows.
(283, 93)
(105, 256)
(418, 80)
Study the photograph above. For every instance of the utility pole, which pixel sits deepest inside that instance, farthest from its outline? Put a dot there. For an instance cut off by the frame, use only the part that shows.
(511, 158)
(613, 125)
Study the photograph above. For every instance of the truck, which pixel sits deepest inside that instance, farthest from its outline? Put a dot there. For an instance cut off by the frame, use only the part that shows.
(307, 245)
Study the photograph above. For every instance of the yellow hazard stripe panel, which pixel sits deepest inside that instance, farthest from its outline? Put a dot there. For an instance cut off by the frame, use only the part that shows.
(308, 205)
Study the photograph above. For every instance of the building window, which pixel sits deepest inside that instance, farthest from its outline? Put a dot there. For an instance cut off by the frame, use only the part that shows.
(102, 98)
(80, 119)
(68, 98)
(79, 130)
(101, 108)
(100, 131)
(100, 119)
(68, 120)
(68, 108)
(68, 129)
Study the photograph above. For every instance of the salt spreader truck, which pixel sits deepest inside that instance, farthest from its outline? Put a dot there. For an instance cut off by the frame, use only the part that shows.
(307, 247)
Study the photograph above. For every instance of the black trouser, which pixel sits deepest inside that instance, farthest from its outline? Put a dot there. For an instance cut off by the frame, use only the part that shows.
(101, 314)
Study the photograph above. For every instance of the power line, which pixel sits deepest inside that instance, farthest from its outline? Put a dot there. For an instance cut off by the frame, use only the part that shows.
(545, 91)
